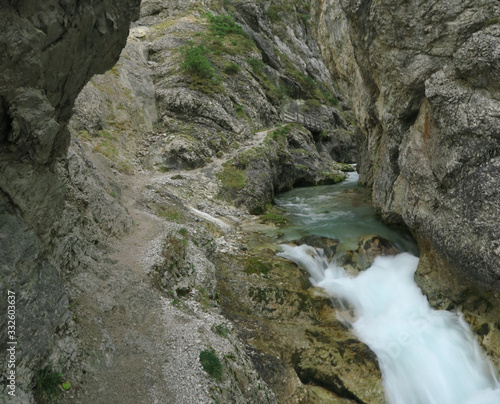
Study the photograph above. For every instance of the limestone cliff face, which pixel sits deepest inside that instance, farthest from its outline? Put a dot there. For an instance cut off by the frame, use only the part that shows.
(49, 51)
(422, 78)
(159, 116)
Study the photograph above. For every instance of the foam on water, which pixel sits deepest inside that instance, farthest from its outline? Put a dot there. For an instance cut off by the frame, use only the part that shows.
(426, 356)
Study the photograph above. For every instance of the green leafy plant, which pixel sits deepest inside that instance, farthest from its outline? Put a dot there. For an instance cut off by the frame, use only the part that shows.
(196, 61)
(183, 232)
(222, 25)
(239, 111)
(232, 178)
(231, 68)
(211, 363)
(221, 330)
(281, 132)
(46, 384)
(274, 218)
(225, 36)
(312, 103)
(256, 64)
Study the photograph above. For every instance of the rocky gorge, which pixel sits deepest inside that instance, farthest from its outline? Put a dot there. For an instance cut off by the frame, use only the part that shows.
(128, 216)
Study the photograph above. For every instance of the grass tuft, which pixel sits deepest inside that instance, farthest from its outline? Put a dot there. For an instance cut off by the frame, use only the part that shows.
(232, 178)
(211, 363)
(46, 385)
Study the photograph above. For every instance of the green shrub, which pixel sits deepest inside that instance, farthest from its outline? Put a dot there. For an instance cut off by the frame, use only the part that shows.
(226, 37)
(313, 103)
(221, 330)
(222, 25)
(196, 61)
(332, 100)
(305, 18)
(232, 178)
(284, 91)
(274, 218)
(183, 232)
(280, 133)
(231, 68)
(239, 110)
(211, 363)
(256, 64)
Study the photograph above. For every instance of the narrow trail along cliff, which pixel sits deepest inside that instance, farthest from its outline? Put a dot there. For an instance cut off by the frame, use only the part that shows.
(125, 322)
(121, 317)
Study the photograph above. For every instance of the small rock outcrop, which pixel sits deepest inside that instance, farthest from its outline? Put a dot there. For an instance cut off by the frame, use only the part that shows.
(291, 330)
(286, 156)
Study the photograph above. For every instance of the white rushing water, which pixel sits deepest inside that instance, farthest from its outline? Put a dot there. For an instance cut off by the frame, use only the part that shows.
(426, 356)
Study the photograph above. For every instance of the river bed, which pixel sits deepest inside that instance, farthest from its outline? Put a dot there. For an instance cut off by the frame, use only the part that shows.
(426, 356)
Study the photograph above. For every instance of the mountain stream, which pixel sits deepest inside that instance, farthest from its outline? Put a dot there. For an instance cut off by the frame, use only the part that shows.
(426, 356)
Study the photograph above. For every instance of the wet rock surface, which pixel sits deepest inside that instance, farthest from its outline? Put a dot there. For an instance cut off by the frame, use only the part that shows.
(421, 79)
(270, 299)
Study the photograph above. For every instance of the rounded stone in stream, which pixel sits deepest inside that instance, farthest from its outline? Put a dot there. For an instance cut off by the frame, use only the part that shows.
(328, 245)
(369, 247)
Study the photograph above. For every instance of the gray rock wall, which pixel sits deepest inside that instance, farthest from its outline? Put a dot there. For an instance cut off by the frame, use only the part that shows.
(422, 78)
(50, 50)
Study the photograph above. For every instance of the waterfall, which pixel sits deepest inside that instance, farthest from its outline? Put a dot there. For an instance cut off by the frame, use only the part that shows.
(426, 356)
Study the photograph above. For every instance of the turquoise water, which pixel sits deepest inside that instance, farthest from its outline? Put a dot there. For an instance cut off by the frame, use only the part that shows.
(341, 211)
(426, 356)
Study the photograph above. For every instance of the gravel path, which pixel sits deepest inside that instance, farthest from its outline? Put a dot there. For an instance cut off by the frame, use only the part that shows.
(138, 344)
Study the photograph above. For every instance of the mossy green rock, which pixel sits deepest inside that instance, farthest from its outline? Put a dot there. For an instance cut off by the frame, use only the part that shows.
(294, 331)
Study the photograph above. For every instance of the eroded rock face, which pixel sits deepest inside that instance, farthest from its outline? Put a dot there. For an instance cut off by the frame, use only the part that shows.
(276, 66)
(49, 51)
(286, 156)
(292, 333)
(423, 80)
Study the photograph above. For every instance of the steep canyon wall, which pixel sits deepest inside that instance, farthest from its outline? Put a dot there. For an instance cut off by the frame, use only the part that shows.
(423, 79)
(49, 51)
